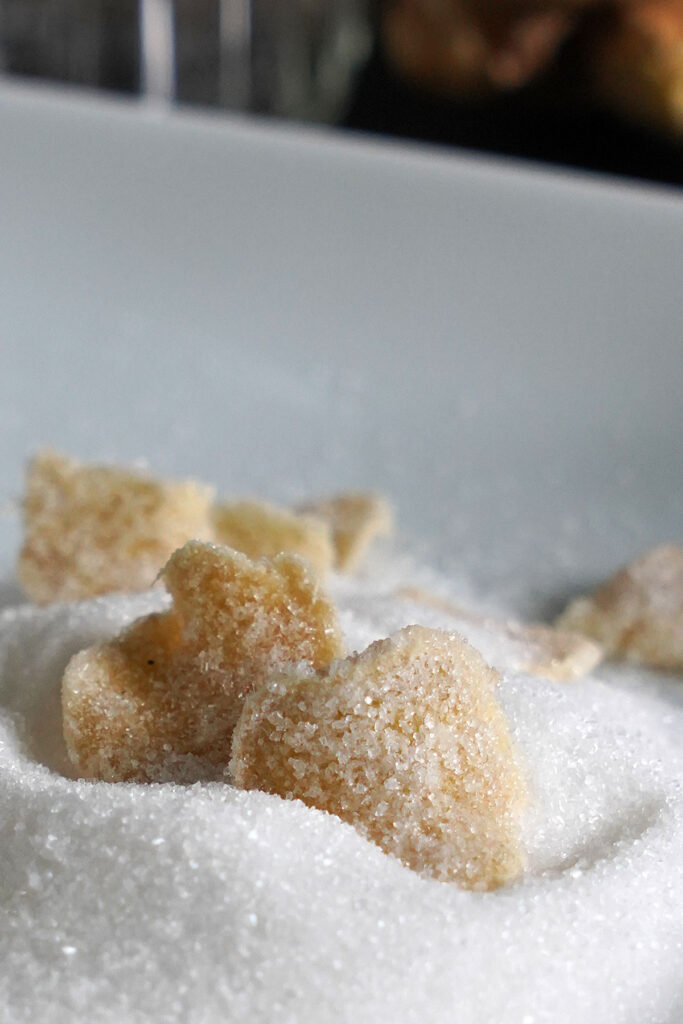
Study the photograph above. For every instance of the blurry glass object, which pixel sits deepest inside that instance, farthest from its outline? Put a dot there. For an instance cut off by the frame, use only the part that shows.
(291, 58)
(88, 42)
(157, 50)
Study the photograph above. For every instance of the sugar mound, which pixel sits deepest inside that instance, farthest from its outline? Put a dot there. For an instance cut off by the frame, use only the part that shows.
(203, 904)
(507, 645)
(536, 648)
(160, 702)
(407, 742)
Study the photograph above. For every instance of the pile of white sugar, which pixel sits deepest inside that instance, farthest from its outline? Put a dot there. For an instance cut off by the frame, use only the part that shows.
(130, 903)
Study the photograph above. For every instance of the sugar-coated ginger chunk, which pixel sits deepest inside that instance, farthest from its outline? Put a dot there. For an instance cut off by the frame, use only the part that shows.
(555, 654)
(90, 529)
(406, 742)
(160, 701)
(637, 614)
(261, 530)
(356, 519)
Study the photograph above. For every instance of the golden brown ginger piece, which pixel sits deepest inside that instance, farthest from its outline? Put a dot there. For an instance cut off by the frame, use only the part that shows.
(406, 742)
(636, 61)
(261, 530)
(160, 701)
(629, 56)
(90, 530)
(457, 47)
(356, 520)
(637, 614)
(535, 648)
(556, 654)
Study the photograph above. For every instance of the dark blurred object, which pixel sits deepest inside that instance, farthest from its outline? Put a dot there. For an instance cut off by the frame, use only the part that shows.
(557, 87)
(555, 103)
(634, 61)
(87, 43)
(630, 55)
(455, 48)
(287, 58)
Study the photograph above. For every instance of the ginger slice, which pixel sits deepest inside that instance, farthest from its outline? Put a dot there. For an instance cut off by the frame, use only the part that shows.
(406, 742)
(260, 530)
(638, 613)
(636, 62)
(90, 529)
(536, 648)
(556, 654)
(160, 701)
(356, 519)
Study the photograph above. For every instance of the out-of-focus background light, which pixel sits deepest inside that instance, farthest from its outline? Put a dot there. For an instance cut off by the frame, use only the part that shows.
(596, 84)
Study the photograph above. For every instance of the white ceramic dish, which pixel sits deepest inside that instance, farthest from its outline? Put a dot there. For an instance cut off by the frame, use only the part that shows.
(499, 348)
(284, 312)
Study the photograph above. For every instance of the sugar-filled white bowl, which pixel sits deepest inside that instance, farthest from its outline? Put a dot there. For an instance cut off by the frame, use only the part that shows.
(280, 310)
(284, 312)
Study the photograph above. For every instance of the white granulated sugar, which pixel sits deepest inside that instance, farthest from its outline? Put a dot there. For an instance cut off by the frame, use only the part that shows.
(202, 904)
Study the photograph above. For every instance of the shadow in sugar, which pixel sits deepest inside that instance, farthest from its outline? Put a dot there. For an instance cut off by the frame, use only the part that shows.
(11, 593)
(35, 647)
(610, 837)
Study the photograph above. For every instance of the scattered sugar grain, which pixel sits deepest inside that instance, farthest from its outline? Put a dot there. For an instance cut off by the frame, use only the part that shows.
(343, 933)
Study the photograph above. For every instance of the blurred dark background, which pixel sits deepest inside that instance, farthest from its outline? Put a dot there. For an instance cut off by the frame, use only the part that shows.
(334, 61)
(541, 121)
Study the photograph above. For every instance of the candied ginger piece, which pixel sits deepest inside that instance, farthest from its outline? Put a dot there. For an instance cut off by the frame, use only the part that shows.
(406, 742)
(160, 701)
(261, 530)
(356, 519)
(535, 648)
(556, 654)
(638, 613)
(90, 529)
